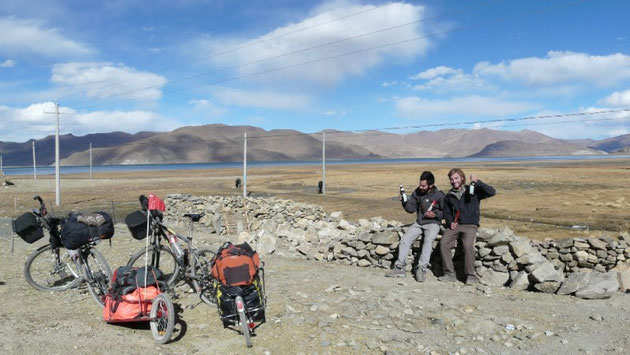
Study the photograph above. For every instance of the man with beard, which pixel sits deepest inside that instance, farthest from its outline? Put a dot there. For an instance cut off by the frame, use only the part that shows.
(426, 200)
(461, 213)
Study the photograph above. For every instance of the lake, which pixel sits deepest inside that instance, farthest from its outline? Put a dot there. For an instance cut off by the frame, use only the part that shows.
(48, 170)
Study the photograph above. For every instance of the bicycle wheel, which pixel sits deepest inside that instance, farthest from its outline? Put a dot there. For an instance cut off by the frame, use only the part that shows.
(49, 269)
(98, 275)
(162, 318)
(244, 323)
(164, 260)
(202, 278)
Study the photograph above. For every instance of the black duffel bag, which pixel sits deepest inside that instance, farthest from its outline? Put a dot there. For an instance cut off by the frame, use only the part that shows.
(28, 227)
(137, 224)
(75, 234)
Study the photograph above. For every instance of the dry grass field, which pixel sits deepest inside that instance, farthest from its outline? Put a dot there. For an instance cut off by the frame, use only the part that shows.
(537, 199)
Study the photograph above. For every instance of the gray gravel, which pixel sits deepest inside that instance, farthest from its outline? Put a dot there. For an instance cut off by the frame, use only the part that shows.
(317, 307)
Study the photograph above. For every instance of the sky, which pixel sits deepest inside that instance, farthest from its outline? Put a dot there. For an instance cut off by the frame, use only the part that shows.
(561, 68)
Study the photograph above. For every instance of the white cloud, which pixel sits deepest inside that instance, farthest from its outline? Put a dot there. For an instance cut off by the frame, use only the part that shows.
(389, 83)
(561, 67)
(207, 107)
(469, 106)
(7, 63)
(327, 71)
(32, 122)
(259, 98)
(102, 80)
(32, 37)
(618, 98)
(436, 72)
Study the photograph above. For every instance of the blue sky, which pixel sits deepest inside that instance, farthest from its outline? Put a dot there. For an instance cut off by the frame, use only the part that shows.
(345, 65)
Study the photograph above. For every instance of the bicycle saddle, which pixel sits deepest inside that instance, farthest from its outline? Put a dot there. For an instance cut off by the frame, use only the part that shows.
(195, 217)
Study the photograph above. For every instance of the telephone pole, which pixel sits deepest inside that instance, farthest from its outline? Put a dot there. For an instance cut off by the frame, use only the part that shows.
(245, 165)
(57, 182)
(34, 163)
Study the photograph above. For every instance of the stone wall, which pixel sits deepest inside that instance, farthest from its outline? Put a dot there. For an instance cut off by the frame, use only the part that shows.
(502, 258)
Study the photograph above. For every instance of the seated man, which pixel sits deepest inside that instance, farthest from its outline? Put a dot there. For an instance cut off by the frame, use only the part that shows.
(426, 201)
(461, 212)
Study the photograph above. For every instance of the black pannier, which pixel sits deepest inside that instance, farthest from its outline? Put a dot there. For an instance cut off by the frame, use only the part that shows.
(252, 296)
(94, 226)
(28, 228)
(137, 224)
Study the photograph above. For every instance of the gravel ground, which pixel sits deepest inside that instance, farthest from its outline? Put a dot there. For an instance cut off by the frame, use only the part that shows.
(316, 308)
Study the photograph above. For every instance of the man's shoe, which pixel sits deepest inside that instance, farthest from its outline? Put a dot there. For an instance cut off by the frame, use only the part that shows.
(396, 272)
(447, 278)
(472, 280)
(420, 275)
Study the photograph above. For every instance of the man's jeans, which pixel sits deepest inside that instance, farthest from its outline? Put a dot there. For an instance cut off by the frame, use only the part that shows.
(430, 231)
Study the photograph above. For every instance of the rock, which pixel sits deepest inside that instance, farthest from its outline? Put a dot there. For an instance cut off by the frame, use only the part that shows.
(531, 258)
(503, 237)
(565, 243)
(597, 244)
(244, 237)
(521, 247)
(345, 225)
(520, 281)
(385, 238)
(364, 263)
(581, 256)
(623, 276)
(600, 285)
(336, 216)
(484, 251)
(573, 282)
(494, 278)
(266, 245)
(547, 286)
(546, 272)
(501, 249)
(381, 250)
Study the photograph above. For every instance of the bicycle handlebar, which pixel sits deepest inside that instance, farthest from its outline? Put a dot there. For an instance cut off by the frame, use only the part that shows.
(42, 206)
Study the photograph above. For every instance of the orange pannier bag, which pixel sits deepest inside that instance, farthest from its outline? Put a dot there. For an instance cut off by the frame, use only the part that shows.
(235, 264)
(128, 307)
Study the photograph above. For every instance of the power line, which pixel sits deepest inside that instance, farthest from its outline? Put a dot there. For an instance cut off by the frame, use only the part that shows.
(284, 54)
(297, 64)
(324, 58)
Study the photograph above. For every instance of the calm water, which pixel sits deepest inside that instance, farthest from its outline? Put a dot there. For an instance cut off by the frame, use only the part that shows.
(48, 170)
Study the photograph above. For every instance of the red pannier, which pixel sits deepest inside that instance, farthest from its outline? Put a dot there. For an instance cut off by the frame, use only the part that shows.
(235, 264)
(127, 300)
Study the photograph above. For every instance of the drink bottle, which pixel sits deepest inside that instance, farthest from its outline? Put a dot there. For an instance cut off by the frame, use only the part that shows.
(471, 189)
(403, 194)
(179, 253)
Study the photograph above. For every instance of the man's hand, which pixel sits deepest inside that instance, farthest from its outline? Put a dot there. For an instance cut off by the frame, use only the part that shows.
(429, 214)
(473, 178)
(454, 225)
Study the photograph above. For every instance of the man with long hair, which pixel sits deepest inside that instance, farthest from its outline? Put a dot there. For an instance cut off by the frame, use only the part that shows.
(461, 213)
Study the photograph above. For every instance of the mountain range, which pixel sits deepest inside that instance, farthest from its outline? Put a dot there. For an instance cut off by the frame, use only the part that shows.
(223, 143)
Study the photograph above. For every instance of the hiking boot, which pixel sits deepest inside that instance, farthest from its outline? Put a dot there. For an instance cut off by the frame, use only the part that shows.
(420, 275)
(447, 278)
(472, 280)
(396, 272)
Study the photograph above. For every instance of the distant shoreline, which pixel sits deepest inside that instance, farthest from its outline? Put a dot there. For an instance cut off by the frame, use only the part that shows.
(81, 169)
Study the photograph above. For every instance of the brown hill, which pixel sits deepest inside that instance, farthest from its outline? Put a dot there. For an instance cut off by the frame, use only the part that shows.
(510, 148)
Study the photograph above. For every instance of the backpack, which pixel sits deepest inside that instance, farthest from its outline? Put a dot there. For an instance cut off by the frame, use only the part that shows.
(235, 264)
(129, 298)
(76, 232)
(28, 228)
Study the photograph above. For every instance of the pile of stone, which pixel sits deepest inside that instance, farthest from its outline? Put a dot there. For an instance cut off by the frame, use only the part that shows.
(577, 254)
(502, 258)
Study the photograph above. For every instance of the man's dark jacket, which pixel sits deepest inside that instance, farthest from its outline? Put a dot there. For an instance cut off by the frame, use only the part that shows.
(467, 205)
(418, 203)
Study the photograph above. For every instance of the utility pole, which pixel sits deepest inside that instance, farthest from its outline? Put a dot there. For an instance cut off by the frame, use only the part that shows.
(1, 167)
(57, 183)
(34, 163)
(245, 165)
(90, 160)
(323, 162)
